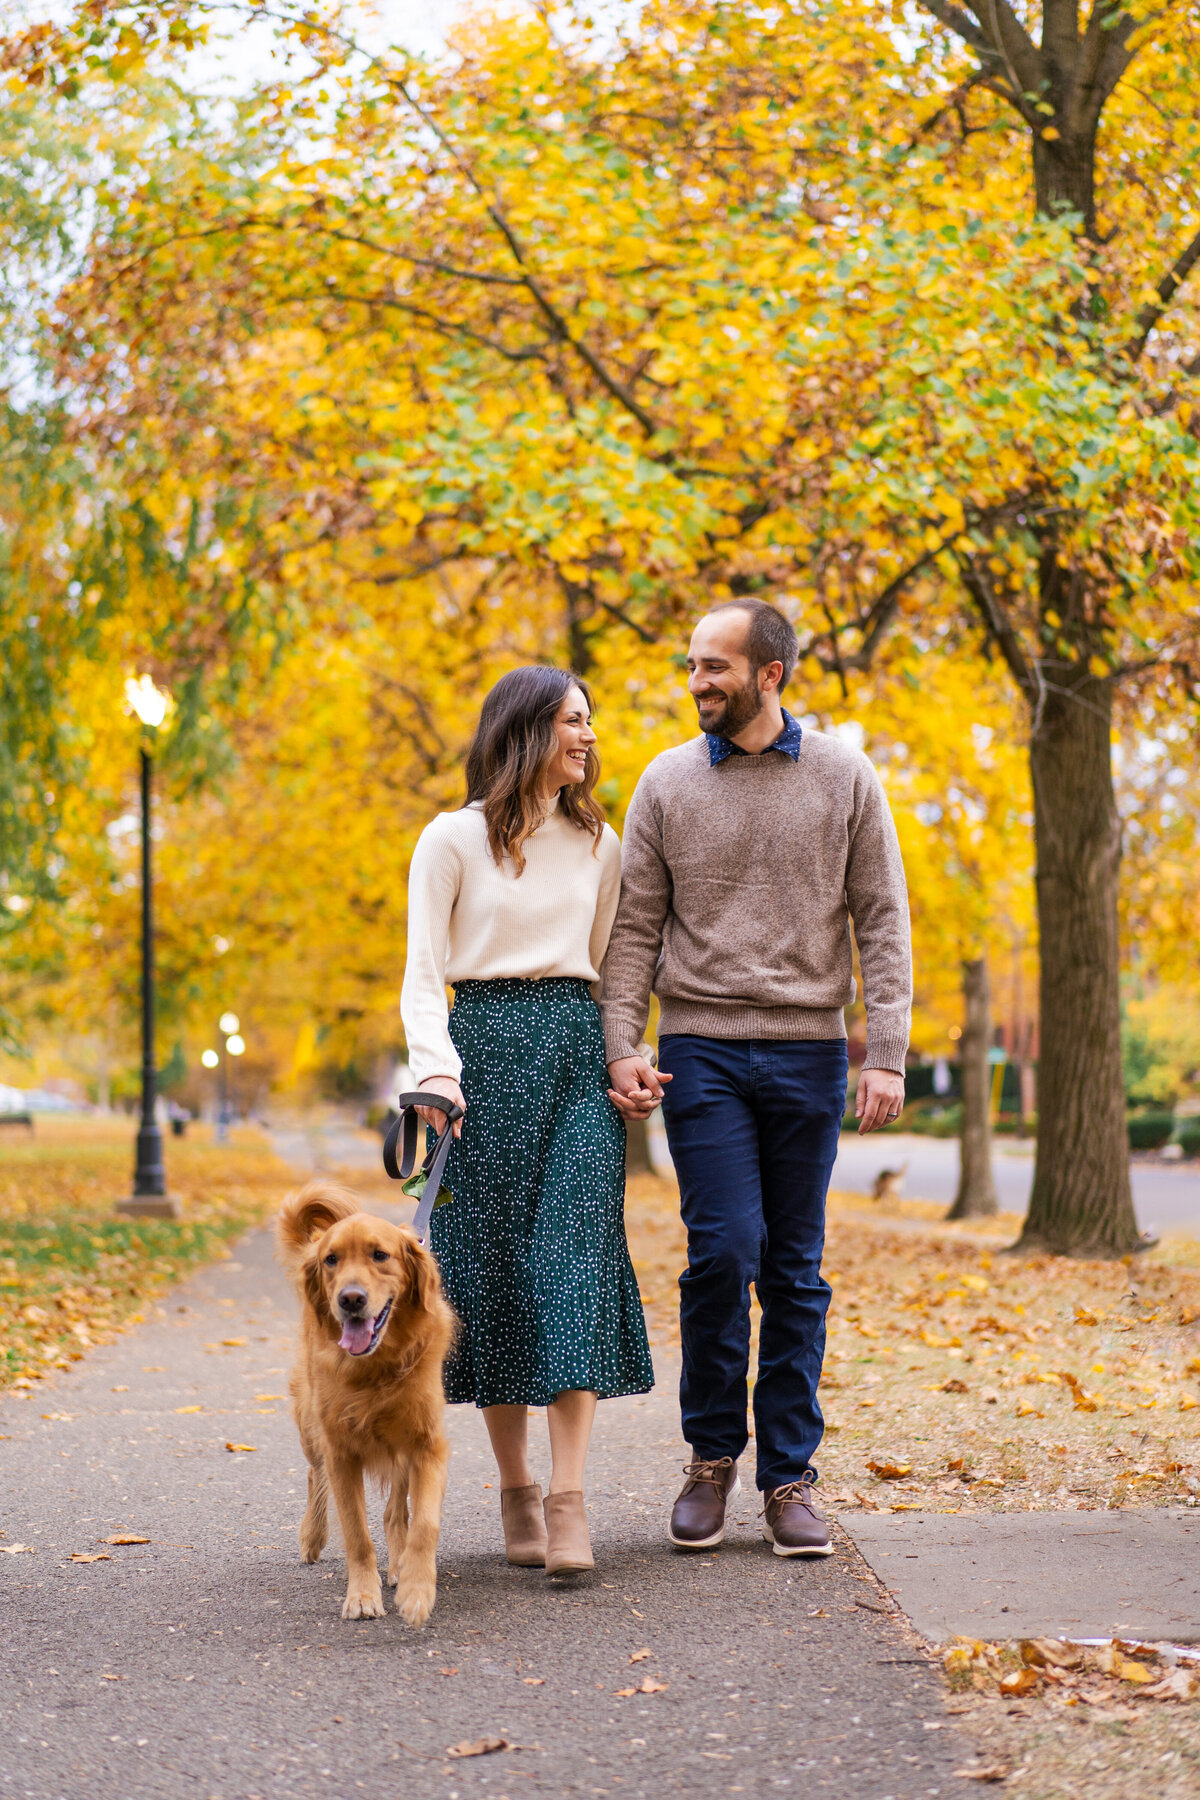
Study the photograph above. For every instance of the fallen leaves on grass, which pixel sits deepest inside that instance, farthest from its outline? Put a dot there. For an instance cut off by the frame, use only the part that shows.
(890, 1471)
(478, 1747)
(954, 1385)
(73, 1274)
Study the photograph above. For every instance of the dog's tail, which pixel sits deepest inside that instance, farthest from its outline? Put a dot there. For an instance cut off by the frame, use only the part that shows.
(305, 1215)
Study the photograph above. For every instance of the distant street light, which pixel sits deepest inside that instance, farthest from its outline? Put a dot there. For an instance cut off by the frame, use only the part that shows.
(230, 1024)
(150, 1199)
(210, 1059)
(235, 1044)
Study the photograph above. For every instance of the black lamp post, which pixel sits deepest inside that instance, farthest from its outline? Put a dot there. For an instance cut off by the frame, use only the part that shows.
(150, 1199)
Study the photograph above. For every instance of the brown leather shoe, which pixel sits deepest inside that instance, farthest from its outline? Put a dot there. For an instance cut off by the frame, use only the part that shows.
(524, 1526)
(568, 1546)
(698, 1516)
(794, 1523)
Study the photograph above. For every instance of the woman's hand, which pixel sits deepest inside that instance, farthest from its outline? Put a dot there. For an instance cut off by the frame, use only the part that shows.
(447, 1086)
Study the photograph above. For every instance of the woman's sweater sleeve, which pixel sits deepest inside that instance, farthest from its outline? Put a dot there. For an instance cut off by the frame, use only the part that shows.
(607, 899)
(433, 884)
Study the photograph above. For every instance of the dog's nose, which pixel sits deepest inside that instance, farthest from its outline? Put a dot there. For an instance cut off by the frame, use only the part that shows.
(353, 1300)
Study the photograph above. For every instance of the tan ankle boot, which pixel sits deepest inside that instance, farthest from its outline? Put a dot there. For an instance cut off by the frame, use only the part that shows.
(568, 1547)
(524, 1526)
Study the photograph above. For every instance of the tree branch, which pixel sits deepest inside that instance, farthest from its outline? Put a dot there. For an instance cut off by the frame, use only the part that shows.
(1166, 290)
(998, 626)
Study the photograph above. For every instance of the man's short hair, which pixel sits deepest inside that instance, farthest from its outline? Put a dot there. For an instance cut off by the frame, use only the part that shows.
(770, 637)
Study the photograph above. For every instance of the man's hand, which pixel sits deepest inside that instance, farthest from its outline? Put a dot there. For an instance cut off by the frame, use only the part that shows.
(879, 1099)
(442, 1084)
(637, 1086)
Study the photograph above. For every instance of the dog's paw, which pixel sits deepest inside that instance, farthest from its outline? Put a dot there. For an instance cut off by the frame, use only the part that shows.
(394, 1570)
(364, 1603)
(310, 1549)
(415, 1599)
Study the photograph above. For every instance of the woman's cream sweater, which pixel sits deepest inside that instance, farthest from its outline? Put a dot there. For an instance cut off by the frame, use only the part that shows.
(469, 920)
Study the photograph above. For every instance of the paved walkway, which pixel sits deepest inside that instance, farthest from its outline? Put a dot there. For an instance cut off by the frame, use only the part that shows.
(210, 1664)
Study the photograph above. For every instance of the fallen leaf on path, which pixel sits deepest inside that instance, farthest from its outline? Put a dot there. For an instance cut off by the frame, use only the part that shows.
(639, 1656)
(123, 1389)
(1020, 1681)
(236, 1447)
(60, 1415)
(268, 1396)
(112, 1678)
(535, 1681)
(90, 1556)
(993, 1772)
(480, 1747)
(153, 1369)
(955, 1385)
(447, 1671)
(889, 1471)
(235, 1343)
(16, 1549)
(183, 1409)
(125, 1537)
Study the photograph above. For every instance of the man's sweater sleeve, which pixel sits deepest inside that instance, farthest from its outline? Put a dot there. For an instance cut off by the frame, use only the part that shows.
(878, 900)
(636, 941)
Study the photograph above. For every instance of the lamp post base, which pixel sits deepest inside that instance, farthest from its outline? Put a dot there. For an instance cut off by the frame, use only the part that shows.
(150, 1206)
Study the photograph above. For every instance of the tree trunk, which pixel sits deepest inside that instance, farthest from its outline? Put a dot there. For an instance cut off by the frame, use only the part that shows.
(976, 1198)
(1082, 1204)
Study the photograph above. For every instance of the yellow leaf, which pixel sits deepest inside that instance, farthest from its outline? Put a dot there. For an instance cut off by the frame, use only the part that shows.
(126, 1537)
(90, 1556)
(236, 1447)
(186, 1409)
(888, 1471)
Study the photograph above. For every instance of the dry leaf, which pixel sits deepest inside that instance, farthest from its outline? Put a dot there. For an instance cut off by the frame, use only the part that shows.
(112, 1678)
(236, 1447)
(1179, 1684)
(1052, 1653)
(1135, 1671)
(993, 1772)
(90, 1556)
(269, 1396)
(955, 1385)
(648, 1685)
(125, 1537)
(183, 1409)
(1027, 1410)
(60, 1415)
(1085, 1316)
(235, 1343)
(535, 1680)
(888, 1471)
(625, 1693)
(478, 1747)
(447, 1671)
(1187, 1402)
(16, 1549)
(1020, 1681)
(1084, 1402)
(639, 1656)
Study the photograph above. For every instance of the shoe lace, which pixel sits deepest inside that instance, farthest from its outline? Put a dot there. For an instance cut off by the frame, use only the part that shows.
(800, 1492)
(714, 1470)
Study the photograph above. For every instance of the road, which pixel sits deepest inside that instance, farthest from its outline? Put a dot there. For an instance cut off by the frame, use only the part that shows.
(1165, 1196)
(210, 1664)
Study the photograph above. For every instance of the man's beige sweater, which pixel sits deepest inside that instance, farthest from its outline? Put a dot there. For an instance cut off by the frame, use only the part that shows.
(738, 887)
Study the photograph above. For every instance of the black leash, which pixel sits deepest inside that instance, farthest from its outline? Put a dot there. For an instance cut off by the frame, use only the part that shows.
(429, 1176)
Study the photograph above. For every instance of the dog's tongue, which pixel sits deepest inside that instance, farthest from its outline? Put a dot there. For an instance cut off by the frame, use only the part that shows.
(356, 1336)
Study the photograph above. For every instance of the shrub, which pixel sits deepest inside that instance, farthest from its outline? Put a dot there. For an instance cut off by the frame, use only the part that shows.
(1150, 1130)
(1189, 1136)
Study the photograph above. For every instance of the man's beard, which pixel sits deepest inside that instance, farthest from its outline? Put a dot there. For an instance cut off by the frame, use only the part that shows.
(741, 708)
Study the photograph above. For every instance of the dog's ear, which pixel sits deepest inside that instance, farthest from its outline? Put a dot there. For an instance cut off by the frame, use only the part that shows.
(304, 1216)
(425, 1289)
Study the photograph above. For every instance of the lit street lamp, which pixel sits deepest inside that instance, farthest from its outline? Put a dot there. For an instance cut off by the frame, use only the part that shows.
(229, 1024)
(150, 1199)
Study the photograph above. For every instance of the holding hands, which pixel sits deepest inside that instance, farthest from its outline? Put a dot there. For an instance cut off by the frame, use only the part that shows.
(637, 1086)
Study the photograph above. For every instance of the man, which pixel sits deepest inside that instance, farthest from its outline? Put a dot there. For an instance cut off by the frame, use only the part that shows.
(747, 853)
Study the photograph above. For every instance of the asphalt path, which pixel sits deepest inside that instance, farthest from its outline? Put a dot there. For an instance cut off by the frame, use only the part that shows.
(210, 1664)
(1166, 1196)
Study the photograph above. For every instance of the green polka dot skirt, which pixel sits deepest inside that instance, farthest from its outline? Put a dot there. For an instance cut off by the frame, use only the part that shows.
(532, 1250)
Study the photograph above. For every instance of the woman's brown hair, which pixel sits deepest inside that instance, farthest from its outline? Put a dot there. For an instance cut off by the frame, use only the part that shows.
(514, 744)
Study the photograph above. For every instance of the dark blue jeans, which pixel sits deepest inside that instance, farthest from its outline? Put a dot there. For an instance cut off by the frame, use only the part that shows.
(753, 1129)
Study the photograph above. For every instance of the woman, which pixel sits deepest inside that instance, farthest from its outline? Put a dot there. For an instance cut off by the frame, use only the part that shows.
(511, 901)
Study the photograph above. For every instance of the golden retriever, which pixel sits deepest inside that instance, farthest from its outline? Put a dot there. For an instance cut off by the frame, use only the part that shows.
(367, 1393)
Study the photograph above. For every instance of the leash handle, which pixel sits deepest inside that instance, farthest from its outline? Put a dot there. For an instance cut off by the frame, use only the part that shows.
(403, 1131)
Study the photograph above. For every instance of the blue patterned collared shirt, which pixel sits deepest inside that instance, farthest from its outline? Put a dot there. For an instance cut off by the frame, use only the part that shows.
(788, 741)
